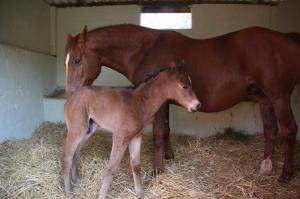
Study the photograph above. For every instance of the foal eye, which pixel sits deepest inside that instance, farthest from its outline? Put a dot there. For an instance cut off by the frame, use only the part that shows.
(185, 86)
(77, 61)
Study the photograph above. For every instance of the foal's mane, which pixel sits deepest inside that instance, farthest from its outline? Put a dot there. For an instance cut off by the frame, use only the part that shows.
(151, 76)
(180, 66)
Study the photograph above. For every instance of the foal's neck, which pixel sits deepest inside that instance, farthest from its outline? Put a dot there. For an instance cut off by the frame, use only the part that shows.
(149, 97)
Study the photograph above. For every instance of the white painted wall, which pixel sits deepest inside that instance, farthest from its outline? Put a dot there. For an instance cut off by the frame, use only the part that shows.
(27, 72)
(208, 20)
(72, 20)
(25, 77)
(25, 24)
(288, 16)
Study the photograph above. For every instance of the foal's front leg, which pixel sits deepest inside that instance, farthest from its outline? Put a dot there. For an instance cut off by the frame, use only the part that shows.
(72, 142)
(135, 151)
(118, 148)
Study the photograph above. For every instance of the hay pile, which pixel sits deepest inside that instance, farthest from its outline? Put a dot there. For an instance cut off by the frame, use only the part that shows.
(223, 166)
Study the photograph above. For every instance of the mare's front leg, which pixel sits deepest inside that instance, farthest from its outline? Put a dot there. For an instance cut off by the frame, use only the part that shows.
(161, 139)
(135, 151)
(118, 148)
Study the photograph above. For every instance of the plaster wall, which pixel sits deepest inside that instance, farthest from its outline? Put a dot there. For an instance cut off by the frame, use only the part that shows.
(25, 24)
(25, 77)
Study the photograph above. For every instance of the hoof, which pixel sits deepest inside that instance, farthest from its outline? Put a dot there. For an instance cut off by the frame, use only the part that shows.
(157, 171)
(70, 196)
(76, 179)
(140, 194)
(265, 167)
(169, 155)
(285, 177)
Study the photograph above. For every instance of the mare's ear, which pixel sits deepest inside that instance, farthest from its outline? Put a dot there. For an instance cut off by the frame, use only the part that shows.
(181, 65)
(82, 35)
(69, 38)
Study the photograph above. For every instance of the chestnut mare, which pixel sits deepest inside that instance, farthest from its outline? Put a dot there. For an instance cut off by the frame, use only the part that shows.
(125, 113)
(254, 63)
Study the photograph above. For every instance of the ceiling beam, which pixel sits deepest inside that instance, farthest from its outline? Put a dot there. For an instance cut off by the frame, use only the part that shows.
(84, 3)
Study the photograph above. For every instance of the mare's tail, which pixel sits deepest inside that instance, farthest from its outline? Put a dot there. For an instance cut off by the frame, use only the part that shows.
(294, 36)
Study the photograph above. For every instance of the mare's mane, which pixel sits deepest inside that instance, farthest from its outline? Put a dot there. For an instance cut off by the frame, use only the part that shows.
(116, 26)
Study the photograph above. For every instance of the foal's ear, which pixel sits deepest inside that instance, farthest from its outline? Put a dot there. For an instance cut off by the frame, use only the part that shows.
(181, 65)
(69, 38)
(82, 35)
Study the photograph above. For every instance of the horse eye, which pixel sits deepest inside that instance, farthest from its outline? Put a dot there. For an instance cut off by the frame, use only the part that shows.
(77, 61)
(185, 86)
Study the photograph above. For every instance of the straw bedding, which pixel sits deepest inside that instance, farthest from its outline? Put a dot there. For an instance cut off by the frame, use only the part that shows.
(222, 166)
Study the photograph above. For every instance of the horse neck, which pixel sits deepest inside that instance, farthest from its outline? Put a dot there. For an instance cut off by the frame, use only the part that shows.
(116, 52)
(149, 97)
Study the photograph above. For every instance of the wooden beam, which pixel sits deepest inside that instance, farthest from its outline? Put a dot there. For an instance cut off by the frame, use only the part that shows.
(84, 3)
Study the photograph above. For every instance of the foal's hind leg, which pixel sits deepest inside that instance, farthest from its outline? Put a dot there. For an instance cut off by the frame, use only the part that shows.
(161, 139)
(288, 127)
(135, 151)
(270, 132)
(118, 148)
(92, 126)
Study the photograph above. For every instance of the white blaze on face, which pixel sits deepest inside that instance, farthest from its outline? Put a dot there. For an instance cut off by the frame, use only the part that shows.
(67, 64)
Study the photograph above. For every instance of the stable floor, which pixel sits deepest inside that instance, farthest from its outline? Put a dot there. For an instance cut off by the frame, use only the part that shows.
(222, 166)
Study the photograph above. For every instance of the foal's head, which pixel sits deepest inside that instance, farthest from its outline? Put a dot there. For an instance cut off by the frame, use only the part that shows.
(82, 66)
(179, 88)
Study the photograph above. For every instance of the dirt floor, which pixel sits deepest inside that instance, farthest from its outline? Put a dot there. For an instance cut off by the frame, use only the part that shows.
(222, 166)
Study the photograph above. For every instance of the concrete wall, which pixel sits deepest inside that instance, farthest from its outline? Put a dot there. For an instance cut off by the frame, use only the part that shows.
(72, 20)
(208, 20)
(27, 71)
(25, 24)
(25, 77)
(288, 19)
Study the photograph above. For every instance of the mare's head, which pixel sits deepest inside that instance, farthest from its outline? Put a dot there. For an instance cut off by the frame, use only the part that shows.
(179, 87)
(82, 66)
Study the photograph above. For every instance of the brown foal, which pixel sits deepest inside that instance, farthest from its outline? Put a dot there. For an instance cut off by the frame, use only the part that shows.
(124, 112)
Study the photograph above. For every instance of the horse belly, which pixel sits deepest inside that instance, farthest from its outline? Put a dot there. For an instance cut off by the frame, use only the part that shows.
(219, 96)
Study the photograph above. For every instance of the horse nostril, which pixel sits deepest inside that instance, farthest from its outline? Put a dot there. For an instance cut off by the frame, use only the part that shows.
(198, 107)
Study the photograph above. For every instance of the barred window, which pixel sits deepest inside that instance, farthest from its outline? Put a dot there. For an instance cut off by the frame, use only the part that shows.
(175, 17)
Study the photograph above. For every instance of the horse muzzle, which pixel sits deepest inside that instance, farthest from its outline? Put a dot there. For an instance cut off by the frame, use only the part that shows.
(194, 106)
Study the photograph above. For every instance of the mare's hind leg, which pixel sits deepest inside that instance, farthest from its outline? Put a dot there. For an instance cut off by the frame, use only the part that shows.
(288, 127)
(73, 140)
(135, 151)
(161, 139)
(270, 131)
(167, 145)
(118, 148)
